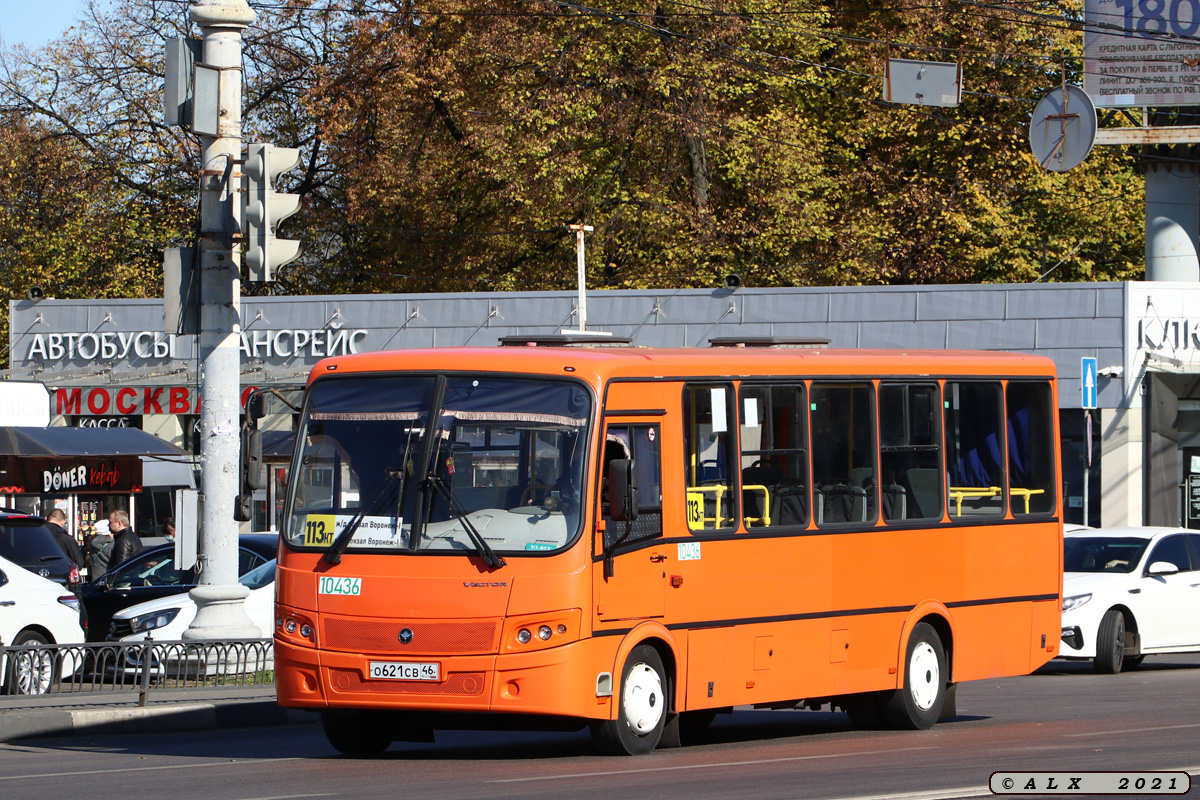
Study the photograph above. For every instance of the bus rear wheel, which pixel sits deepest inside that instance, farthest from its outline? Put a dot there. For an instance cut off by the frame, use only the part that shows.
(355, 733)
(642, 709)
(918, 703)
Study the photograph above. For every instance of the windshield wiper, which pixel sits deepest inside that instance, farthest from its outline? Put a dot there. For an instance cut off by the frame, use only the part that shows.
(432, 434)
(334, 554)
(481, 546)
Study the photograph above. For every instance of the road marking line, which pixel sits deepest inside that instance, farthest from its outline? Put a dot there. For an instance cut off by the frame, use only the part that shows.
(1129, 730)
(705, 766)
(933, 794)
(148, 769)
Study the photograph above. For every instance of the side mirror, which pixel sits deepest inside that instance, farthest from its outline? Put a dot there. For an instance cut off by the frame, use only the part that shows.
(622, 490)
(256, 470)
(1162, 568)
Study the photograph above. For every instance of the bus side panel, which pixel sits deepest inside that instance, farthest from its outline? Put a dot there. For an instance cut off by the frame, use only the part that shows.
(992, 641)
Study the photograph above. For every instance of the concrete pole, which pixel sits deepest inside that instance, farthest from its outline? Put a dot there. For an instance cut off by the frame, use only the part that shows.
(1172, 222)
(220, 612)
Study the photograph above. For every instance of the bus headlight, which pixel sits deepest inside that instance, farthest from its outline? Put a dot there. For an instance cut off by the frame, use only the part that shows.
(539, 631)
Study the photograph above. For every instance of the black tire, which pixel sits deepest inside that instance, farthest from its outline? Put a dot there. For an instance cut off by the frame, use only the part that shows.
(642, 709)
(1110, 643)
(31, 673)
(917, 705)
(358, 734)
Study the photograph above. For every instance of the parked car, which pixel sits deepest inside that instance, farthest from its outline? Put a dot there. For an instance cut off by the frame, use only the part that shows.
(27, 542)
(152, 574)
(166, 618)
(1129, 593)
(35, 610)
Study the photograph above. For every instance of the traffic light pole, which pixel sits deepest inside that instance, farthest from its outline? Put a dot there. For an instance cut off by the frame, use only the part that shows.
(220, 611)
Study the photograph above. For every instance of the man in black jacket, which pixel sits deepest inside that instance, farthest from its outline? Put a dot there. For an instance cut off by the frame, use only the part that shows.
(126, 542)
(56, 523)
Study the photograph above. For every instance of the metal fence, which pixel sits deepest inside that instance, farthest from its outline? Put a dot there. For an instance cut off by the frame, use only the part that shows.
(39, 669)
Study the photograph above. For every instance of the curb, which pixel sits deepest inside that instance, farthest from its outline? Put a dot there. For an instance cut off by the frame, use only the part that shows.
(175, 718)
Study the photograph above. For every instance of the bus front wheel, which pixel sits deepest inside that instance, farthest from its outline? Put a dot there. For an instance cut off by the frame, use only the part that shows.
(918, 703)
(642, 709)
(355, 733)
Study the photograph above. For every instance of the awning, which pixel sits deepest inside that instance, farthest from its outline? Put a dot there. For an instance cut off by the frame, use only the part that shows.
(65, 460)
(79, 442)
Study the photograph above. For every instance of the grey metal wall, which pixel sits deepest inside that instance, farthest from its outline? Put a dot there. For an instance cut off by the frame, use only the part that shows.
(1062, 321)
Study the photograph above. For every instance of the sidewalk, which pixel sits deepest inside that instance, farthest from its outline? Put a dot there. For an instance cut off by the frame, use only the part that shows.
(166, 711)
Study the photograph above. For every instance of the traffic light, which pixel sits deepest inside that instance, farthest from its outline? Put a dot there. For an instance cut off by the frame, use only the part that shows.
(266, 208)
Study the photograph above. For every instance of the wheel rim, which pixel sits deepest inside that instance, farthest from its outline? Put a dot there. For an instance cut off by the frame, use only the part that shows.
(924, 676)
(642, 699)
(33, 673)
(1119, 640)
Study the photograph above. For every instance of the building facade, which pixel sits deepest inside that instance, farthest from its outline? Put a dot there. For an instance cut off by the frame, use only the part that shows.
(108, 362)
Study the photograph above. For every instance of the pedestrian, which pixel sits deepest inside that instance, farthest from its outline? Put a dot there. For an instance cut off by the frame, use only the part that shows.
(99, 550)
(56, 522)
(126, 542)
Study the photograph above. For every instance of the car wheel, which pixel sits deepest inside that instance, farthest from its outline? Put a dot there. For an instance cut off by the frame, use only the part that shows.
(918, 703)
(33, 671)
(1133, 662)
(355, 733)
(1110, 643)
(642, 712)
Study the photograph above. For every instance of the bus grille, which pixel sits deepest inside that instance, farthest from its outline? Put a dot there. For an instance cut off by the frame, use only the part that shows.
(456, 683)
(428, 637)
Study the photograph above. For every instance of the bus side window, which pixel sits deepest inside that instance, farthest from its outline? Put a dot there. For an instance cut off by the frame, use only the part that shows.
(774, 456)
(843, 450)
(910, 451)
(1030, 459)
(974, 448)
(710, 457)
(640, 443)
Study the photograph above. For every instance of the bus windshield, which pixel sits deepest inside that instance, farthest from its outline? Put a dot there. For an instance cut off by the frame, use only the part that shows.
(499, 468)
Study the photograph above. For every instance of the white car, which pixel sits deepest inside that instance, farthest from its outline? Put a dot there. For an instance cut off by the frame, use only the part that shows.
(1129, 593)
(166, 618)
(35, 610)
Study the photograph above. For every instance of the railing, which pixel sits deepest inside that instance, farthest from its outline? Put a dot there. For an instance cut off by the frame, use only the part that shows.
(38, 669)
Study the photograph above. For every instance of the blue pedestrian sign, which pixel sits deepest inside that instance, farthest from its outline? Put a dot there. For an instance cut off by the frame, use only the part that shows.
(1087, 382)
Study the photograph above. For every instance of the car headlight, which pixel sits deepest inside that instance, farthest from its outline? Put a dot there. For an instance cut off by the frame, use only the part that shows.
(1070, 603)
(158, 619)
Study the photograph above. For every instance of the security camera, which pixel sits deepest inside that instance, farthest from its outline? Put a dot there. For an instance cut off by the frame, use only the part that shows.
(733, 281)
(35, 293)
(1110, 372)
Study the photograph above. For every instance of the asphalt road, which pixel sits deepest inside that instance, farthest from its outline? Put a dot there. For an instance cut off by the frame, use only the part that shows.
(1062, 719)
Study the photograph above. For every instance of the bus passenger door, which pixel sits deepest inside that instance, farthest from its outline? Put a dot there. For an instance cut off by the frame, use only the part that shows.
(636, 589)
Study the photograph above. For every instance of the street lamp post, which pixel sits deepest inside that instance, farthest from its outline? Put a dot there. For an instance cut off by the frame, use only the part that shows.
(220, 612)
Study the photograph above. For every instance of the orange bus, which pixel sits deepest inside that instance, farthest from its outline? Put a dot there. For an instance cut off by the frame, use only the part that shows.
(555, 535)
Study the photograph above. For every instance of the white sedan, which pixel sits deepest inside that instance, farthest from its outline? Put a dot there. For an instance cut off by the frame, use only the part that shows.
(1129, 593)
(166, 618)
(35, 611)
